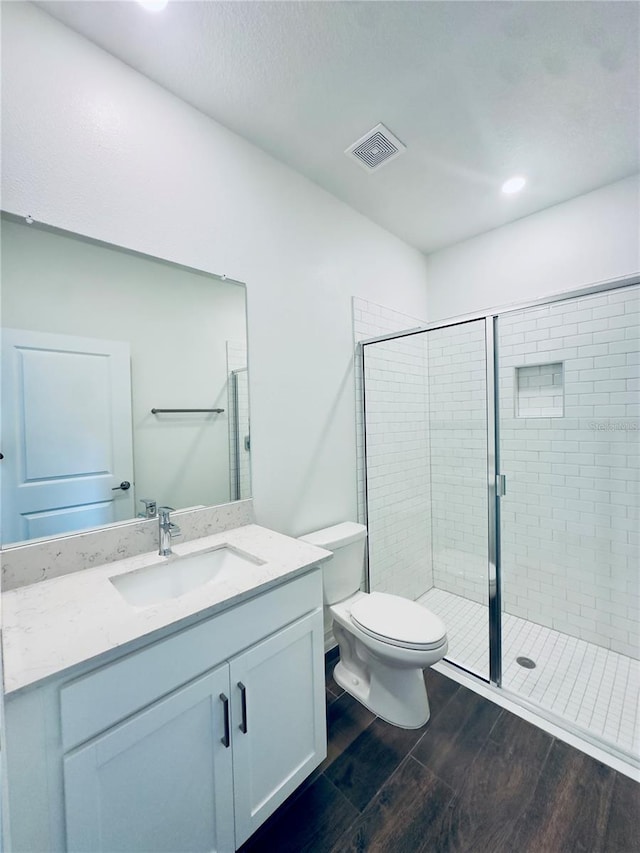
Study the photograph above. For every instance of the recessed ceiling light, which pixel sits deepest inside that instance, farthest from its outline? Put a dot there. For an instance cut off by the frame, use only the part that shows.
(153, 5)
(513, 185)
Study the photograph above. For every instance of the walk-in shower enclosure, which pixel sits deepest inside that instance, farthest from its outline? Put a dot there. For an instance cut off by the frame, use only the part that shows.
(502, 481)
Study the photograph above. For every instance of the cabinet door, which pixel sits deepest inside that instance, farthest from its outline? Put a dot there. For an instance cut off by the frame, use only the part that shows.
(160, 782)
(279, 719)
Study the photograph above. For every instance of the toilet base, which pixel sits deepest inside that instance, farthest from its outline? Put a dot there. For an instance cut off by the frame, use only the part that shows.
(385, 678)
(379, 693)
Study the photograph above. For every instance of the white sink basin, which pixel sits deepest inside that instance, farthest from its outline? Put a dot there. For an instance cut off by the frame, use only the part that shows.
(179, 575)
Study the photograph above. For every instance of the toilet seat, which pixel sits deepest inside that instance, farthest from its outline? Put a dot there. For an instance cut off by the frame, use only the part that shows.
(398, 621)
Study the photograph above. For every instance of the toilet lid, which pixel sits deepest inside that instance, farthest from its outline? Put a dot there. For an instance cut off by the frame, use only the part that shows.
(398, 621)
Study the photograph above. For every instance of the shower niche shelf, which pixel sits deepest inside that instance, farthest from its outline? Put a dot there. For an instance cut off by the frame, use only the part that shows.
(540, 390)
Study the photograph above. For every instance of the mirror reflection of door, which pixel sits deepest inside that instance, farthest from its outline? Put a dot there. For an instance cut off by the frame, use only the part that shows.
(67, 437)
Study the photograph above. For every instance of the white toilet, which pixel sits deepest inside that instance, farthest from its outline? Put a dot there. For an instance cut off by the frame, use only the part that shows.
(385, 641)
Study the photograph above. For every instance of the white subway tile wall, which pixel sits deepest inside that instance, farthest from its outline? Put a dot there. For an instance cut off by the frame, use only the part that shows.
(570, 522)
(398, 479)
(397, 450)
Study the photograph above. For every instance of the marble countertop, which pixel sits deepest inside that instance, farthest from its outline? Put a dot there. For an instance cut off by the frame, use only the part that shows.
(53, 625)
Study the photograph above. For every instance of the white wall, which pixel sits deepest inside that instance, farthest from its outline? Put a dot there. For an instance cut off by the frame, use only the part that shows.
(176, 322)
(91, 146)
(592, 238)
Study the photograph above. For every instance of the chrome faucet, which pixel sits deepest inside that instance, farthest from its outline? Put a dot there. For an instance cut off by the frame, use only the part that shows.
(166, 530)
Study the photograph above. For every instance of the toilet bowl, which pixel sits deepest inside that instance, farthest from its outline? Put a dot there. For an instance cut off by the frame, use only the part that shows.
(385, 641)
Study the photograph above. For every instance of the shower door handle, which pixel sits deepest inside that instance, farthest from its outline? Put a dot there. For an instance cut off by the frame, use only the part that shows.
(501, 485)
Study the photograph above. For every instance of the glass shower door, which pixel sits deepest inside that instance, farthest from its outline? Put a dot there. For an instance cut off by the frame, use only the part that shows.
(426, 478)
(457, 391)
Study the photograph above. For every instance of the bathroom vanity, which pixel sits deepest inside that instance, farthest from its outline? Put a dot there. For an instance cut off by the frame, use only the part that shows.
(176, 725)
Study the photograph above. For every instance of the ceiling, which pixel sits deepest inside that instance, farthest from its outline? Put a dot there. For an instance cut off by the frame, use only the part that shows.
(477, 91)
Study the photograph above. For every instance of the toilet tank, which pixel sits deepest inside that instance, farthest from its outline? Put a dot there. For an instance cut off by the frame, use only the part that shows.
(341, 574)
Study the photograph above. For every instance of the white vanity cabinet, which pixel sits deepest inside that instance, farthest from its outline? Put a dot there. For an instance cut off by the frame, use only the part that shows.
(188, 744)
(279, 734)
(161, 781)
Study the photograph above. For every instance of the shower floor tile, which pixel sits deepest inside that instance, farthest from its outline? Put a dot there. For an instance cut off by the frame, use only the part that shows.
(593, 687)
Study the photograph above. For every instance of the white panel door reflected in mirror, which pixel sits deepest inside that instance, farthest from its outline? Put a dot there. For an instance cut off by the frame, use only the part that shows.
(66, 405)
(185, 335)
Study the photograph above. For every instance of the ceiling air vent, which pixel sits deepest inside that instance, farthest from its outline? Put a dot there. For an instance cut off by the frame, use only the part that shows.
(376, 148)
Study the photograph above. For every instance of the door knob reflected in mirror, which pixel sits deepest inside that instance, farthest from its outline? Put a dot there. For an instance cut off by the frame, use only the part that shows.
(124, 485)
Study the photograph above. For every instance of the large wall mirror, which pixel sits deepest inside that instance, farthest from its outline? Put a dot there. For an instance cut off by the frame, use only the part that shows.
(124, 385)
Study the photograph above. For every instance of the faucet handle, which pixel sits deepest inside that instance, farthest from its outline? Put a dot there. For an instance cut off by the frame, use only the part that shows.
(150, 508)
(165, 510)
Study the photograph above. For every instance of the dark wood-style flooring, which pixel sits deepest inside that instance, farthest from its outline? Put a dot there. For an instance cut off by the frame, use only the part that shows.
(476, 778)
